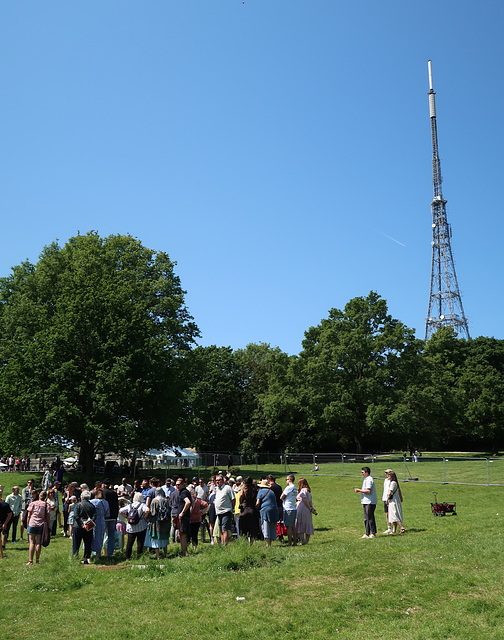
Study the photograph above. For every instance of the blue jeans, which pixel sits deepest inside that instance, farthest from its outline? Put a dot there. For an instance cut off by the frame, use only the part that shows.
(110, 527)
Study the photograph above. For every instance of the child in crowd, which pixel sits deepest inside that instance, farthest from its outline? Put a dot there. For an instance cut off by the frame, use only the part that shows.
(71, 514)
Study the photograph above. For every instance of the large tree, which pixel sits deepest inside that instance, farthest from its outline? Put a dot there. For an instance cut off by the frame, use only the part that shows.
(263, 369)
(215, 399)
(348, 373)
(427, 411)
(92, 340)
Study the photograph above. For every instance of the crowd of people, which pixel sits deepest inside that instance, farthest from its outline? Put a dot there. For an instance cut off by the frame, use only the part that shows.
(11, 464)
(105, 518)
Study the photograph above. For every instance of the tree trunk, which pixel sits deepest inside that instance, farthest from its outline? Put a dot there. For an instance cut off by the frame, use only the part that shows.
(86, 459)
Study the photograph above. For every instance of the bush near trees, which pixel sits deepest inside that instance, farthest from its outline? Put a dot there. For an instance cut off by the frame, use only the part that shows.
(97, 351)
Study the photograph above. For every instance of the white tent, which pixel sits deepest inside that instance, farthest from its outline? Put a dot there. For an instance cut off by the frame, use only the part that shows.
(174, 457)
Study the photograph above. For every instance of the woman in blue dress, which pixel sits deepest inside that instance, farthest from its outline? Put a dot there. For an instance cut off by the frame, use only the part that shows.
(268, 511)
(102, 512)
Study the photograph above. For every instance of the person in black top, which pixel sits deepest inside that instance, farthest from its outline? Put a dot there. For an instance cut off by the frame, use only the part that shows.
(180, 503)
(83, 511)
(5, 518)
(110, 523)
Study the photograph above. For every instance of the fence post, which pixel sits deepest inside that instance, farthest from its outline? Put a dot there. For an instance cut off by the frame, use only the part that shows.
(488, 472)
(444, 469)
(342, 465)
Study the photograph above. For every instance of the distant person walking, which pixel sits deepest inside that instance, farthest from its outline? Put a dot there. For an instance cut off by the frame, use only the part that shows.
(368, 501)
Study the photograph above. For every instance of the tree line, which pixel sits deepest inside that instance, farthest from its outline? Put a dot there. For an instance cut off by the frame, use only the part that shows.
(98, 351)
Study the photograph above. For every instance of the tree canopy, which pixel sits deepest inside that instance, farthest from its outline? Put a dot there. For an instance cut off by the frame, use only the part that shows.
(97, 351)
(92, 340)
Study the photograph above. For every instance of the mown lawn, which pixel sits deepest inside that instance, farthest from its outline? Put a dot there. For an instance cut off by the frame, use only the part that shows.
(442, 579)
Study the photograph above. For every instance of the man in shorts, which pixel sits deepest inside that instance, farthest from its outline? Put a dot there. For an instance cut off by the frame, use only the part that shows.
(288, 498)
(181, 507)
(224, 507)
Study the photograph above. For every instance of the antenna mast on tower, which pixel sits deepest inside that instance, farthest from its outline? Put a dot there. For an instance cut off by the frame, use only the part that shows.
(445, 302)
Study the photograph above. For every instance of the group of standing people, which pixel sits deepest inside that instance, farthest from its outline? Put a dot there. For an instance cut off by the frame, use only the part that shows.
(12, 464)
(153, 516)
(392, 501)
(40, 511)
(262, 508)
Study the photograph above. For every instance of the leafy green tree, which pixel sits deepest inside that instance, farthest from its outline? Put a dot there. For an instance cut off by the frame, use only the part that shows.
(348, 372)
(92, 346)
(263, 370)
(428, 408)
(216, 399)
(481, 387)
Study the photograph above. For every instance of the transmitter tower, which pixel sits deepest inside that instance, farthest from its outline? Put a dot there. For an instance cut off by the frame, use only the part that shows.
(445, 302)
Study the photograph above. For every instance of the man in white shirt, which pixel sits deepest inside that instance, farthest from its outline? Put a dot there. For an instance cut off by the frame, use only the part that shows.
(124, 489)
(288, 498)
(224, 506)
(368, 501)
(15, 502)
(202, 490)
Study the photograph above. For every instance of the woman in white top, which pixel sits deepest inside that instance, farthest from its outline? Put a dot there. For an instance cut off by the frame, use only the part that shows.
(394, 500)
(136, 526)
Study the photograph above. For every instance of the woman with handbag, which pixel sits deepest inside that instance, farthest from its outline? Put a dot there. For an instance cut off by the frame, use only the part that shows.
(38, 516)
(394, 500)
(84, 523)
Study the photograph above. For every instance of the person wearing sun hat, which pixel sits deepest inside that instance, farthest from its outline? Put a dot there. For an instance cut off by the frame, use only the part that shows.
(267, 505)
(386, 484)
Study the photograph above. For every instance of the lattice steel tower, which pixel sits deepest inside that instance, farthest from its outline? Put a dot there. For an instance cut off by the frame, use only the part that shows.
(445, 302)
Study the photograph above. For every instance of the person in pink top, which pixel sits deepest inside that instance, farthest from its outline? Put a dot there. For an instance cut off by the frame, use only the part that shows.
(38, 513)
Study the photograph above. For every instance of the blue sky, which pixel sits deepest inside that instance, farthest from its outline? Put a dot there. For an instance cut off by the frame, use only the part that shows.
(268, 146)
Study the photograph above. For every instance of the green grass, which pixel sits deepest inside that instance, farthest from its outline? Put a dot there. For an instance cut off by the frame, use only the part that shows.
(454, 469)
(442, 579)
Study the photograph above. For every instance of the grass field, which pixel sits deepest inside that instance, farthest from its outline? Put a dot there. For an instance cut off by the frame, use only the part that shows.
(442, 579)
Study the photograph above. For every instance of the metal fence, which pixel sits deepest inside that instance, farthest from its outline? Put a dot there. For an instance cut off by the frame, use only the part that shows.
(448, 470)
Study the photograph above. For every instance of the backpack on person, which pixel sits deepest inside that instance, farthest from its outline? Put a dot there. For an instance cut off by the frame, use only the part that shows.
(133, 516)
(164, 513)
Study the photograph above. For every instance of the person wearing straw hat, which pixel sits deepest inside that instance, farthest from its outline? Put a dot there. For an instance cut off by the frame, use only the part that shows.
(386, 484)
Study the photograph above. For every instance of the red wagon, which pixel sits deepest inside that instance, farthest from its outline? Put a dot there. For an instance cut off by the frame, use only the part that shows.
(443, 508)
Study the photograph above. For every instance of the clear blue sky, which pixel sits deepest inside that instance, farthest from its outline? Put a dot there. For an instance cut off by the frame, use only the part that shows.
(268, 146)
